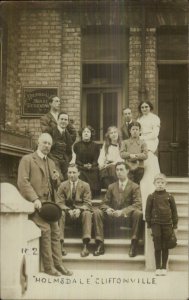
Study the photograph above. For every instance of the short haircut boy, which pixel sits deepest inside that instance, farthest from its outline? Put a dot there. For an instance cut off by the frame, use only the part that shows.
(160, 176)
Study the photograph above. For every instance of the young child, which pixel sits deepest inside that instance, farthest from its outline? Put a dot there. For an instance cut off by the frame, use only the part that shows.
(161, 217)
(134, 151)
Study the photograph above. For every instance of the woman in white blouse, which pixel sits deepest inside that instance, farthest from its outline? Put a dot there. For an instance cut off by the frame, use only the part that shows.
(150, 127)
(109, 156)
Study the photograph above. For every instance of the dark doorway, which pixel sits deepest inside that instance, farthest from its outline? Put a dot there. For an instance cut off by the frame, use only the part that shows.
(173, 112)
(102, 109)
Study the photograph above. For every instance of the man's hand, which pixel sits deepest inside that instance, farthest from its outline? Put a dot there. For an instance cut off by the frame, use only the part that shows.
(110, 211)
(133, 156)
(118, 213)
(37, 204)
(76, 212)
(88, 166)
(55, 175)
(71, 213)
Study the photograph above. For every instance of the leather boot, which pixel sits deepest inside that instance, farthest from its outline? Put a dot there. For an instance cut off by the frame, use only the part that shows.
(85, 250)
(133, 248)
(99, 249)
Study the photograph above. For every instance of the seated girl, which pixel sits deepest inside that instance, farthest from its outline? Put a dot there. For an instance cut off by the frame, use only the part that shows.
(109, 156)
(134, 151)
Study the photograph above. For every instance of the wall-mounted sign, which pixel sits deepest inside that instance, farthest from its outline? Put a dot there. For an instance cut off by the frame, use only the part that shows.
(35, 101)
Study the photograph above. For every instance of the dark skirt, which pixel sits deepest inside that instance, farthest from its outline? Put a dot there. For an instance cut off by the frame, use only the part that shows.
(92, 178)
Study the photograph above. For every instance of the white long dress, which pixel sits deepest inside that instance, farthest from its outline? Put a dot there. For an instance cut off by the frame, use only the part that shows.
(150, 126)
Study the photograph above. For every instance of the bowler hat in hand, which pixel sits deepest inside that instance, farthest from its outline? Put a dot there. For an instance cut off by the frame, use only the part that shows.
(50, 212)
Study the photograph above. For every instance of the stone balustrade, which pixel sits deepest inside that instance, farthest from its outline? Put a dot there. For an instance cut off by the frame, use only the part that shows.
(19, 239)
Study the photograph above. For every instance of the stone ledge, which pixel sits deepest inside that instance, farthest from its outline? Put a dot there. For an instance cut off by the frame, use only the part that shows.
(12, 201)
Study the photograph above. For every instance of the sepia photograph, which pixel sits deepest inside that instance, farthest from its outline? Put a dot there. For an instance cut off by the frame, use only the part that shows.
(94, 152)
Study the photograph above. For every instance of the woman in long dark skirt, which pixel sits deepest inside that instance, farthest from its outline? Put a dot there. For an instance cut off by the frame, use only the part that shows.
(87, 153)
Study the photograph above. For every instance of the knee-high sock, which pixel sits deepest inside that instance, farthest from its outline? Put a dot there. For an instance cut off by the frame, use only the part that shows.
(165, 254)
(158, 259)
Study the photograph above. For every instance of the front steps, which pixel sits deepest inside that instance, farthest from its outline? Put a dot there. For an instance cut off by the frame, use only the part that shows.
(117, 248)
(178, 258)
(115, 257)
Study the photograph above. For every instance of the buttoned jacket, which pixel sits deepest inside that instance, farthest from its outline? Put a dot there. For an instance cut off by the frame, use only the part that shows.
(128, 200)
(161, 209)
(62, 145)
(82, 198)
(32, 178)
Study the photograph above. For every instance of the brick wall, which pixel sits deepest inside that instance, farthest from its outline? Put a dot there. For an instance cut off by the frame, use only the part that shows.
(135, 67)
(47, 54)
(71, 70)
(150, 65)
(39, 56)
(11, 109)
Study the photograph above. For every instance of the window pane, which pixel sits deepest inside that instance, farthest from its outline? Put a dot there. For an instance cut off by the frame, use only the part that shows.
(93, 112)
(109, 110)
(102, 74)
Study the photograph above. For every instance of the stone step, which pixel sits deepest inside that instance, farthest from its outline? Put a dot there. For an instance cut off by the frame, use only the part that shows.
(181, 208)
(179, 195)
(182, 232)
(183, 219)
(178, 262)
(178, 183)
(108, 261)
(181, 248)
(116, 246)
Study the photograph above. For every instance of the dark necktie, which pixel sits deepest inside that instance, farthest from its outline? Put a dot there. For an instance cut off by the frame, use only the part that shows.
(73, 191)
(47, 173)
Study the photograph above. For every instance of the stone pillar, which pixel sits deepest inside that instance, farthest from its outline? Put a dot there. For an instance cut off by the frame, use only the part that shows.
(15, 230)
(134, 68)
(150, 82)
(151, 65)
(149, 250)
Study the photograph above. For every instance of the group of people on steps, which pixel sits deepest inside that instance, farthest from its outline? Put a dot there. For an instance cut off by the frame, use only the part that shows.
(72, 172)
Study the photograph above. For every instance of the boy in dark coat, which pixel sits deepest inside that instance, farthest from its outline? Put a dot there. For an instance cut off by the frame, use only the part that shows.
(161, 217)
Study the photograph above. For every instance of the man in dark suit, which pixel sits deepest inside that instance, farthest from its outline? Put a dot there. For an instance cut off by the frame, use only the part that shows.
(122, 201)
(74, 198)
(37, 182)
(49, 121)
(61, 150)
(127, 119)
